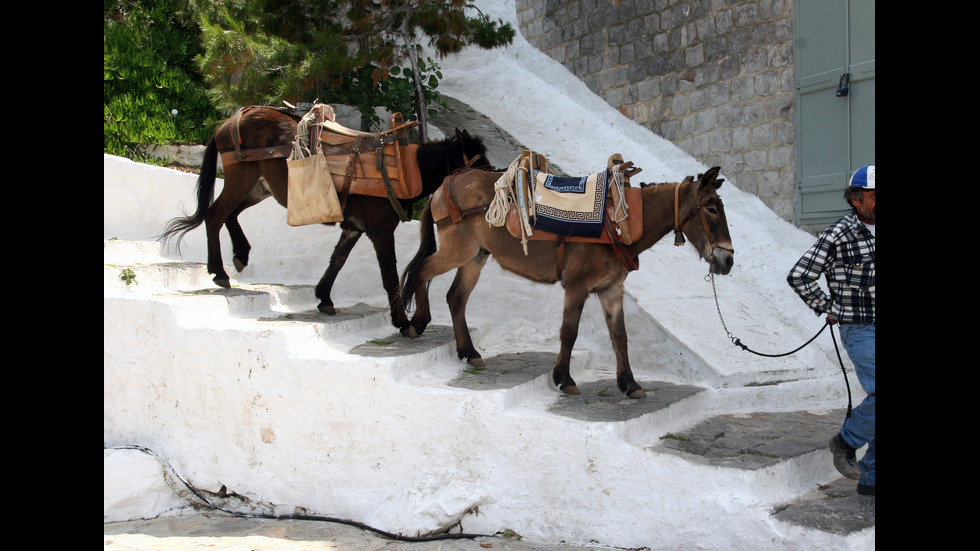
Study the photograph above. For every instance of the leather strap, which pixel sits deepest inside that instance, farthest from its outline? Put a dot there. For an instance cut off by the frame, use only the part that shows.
(229, 158)
(560, 258)
(236, 134)
(449, 197)
(698, 204)
(462, 214)
(351, 173)
(624, 256)
(397, 206)
(239, 155)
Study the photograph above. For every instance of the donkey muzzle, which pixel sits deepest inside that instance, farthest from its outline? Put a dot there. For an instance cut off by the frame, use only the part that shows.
(721, 259)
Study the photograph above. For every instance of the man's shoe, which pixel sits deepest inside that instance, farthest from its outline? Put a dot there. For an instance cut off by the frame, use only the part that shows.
(844, 459)
(866, 490)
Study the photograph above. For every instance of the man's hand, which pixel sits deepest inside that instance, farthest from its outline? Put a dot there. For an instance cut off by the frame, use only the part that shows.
(831, 321)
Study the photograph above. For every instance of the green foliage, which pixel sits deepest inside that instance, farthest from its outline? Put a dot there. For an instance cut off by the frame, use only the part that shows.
(128, 276)
(251, 56)
(152, 93)
(396, 93)
(363, 53)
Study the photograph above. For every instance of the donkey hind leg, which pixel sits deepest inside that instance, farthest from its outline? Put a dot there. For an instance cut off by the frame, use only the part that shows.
(452, 254)
(574, 302)
(384, 248)
(217, 214)
(348, 238)
(240, 246)
(612, 306)
(466, 279)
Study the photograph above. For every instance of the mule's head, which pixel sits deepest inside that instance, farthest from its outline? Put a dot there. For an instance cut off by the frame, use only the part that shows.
(473, 153)
(706, 226)
(441, 158)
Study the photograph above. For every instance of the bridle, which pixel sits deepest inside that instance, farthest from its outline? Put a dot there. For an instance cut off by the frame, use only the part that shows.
(699, 204)
(469, 162)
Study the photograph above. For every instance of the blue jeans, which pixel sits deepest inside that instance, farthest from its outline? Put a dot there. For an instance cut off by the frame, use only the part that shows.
(859, 428)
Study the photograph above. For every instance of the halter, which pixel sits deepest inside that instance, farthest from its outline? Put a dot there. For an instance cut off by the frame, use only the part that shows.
(469, 162)
(698, 204)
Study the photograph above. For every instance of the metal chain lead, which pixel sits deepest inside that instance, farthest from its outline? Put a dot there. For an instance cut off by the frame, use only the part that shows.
(737, 342)
(711, 277)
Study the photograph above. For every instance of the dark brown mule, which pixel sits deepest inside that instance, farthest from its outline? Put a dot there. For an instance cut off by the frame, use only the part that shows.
(248, 183)
(587, 268)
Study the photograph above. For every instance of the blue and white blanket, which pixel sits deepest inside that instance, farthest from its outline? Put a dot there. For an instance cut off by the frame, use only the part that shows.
(570, 206)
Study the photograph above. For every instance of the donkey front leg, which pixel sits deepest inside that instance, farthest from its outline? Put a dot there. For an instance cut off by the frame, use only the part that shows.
(612, 306)
(574, 302)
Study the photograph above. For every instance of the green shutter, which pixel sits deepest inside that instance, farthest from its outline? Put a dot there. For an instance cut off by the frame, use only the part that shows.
(835, 135)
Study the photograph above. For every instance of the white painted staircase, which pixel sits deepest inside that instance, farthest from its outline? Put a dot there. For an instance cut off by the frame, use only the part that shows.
(251, 390)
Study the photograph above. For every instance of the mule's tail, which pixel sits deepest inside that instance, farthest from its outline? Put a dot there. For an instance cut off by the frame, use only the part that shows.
(178, 227)
(427, 247)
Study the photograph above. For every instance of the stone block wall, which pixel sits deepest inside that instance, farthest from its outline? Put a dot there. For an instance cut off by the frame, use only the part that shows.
(715, 77)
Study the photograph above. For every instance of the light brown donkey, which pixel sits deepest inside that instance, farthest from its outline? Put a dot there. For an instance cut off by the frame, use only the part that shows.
(583, 268)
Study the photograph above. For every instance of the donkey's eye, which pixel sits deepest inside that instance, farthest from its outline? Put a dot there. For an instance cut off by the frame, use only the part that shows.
(712, 210)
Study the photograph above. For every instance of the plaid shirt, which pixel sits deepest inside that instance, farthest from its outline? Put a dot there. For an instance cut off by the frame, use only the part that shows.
(845, 255)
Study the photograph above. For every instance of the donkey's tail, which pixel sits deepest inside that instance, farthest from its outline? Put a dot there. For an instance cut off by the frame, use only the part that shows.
(178, 227)
(427, 247)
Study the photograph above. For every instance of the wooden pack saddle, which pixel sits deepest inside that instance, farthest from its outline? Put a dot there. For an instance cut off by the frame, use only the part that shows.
(383, 164)
(362, 163)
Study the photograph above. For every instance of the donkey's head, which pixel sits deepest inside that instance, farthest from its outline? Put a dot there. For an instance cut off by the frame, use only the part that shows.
(705, 224)
(473, 153)
(441, 158)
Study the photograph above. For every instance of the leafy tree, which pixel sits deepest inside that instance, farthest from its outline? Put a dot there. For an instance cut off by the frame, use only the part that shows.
(364, 53)
(152, 92)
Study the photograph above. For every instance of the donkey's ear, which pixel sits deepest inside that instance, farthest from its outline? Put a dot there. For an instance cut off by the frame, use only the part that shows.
(459, 134)
(711, 178)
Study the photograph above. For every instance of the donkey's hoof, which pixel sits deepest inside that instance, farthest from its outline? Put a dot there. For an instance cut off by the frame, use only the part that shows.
(240, 265)
(413, 333)
(571, 389)
(476, 362)
(327, 309)
(222, 282)
(638, 393)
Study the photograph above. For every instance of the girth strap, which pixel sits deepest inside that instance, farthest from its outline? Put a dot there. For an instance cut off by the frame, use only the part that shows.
(624, 256)
(350, 174)
(560, 258)
(456, 214)
(449, 197)
(395, 204)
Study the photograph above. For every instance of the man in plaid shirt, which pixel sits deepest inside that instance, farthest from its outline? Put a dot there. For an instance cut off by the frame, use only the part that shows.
(845, 255)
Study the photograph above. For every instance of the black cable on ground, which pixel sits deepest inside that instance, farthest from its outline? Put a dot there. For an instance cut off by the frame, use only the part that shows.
(335, 520)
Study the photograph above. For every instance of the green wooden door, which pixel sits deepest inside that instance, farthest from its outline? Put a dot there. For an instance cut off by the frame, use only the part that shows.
(835, 133)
